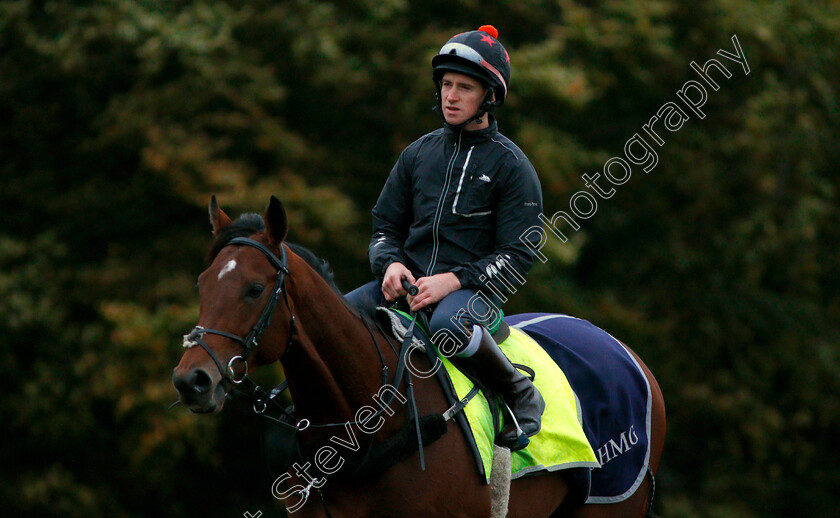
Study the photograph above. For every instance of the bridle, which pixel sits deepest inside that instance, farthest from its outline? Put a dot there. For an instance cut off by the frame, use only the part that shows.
(434, 426)
(252, 340)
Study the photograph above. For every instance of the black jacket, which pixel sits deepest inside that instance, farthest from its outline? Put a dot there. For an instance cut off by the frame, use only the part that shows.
(459, 201)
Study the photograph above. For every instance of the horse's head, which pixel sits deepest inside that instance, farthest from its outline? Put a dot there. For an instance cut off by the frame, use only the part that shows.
(242, 304)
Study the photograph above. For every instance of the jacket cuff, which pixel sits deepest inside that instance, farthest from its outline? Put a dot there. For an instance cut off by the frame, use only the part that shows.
(384, 268)
(463, 276)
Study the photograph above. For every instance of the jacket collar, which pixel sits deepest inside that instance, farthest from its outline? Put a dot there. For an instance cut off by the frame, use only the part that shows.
(471, 137)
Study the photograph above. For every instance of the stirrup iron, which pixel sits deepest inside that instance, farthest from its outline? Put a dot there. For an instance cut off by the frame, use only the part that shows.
(522, 439)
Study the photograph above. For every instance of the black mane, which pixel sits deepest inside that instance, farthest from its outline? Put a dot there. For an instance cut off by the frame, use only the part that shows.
(247, 225)
(318, 264)
(250, 224)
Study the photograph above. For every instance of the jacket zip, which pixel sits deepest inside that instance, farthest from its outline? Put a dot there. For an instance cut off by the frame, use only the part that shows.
(439, 209)
(458, 191)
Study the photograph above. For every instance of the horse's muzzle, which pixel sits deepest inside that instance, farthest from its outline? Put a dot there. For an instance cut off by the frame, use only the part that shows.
(198, 391)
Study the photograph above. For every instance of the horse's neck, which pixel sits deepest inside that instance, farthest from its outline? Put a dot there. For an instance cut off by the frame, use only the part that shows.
(332, 367)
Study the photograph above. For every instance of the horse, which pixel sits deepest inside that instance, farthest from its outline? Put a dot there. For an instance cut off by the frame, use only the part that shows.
(264, 300)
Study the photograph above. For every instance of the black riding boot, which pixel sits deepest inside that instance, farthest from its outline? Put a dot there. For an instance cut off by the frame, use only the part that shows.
(492, 368)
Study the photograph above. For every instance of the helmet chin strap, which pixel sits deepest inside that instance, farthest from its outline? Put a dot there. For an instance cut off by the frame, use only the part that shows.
(487, 106)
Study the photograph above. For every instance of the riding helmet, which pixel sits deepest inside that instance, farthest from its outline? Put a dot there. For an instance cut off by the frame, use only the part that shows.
(477, 54)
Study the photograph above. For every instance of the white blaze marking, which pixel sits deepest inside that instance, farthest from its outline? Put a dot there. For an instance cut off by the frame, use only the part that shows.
(228, 268)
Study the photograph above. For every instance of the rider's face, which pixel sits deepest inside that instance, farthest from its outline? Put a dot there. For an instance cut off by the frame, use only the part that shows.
(461, 96)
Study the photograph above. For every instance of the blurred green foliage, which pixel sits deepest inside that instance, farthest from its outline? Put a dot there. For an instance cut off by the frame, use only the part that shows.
(719, 266)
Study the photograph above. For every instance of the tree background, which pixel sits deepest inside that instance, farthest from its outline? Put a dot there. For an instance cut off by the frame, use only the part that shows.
(719, 266)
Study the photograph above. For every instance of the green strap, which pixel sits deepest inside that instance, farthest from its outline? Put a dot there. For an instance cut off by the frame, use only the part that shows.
(492, 330)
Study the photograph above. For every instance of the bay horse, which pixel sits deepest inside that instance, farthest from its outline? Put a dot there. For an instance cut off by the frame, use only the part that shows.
(263, 300)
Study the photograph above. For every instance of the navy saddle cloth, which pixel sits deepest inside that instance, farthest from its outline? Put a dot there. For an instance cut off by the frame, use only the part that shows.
(614, 395)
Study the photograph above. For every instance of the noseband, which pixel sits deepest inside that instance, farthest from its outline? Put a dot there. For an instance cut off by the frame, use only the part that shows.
(431, 427)
(251, 341)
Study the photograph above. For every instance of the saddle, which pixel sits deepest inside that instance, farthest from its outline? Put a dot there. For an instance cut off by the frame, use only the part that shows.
(607, 428)
(560, 444)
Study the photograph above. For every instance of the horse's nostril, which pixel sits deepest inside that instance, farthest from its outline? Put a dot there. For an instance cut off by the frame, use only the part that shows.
(197, 382)
(201, 381)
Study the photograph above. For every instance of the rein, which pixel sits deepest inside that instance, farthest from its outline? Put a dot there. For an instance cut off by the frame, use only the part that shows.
(429, 427)
(250, 342)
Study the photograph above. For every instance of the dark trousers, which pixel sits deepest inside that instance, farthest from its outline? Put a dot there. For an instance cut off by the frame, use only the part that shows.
(452, 318)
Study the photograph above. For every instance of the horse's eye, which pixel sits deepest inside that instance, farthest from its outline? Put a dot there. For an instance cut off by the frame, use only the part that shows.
(254, 290)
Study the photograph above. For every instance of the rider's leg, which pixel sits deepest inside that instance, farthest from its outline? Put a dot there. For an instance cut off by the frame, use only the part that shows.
(462, 319)
(370, 293)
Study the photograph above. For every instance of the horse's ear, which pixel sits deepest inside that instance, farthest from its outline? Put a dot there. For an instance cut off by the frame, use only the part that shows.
(218, 218)
(276, 223)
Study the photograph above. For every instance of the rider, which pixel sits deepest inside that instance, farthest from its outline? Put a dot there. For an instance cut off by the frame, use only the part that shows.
(452, 219)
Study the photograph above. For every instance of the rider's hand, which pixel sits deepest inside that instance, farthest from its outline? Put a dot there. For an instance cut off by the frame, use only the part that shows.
(433, 289)
(392, 282)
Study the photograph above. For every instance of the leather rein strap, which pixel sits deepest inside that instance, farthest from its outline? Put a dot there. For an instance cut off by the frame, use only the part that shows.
(433, 428)
(252, 340)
